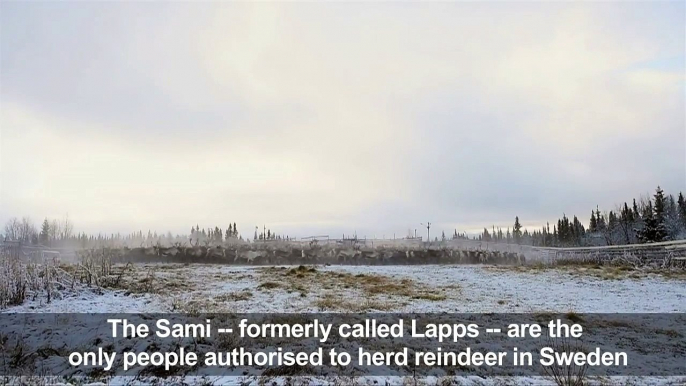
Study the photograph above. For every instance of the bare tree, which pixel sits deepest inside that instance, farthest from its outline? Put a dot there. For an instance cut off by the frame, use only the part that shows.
(26, 230)
(12, 229)
(67, 228)
(55, 230)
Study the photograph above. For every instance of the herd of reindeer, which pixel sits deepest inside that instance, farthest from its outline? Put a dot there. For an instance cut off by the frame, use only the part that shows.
(312, 253)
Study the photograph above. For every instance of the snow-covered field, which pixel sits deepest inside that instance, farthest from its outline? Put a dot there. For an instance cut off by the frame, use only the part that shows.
(422, 289)
(216, 288)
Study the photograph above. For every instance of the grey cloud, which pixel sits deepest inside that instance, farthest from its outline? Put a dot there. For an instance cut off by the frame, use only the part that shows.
(337, 117)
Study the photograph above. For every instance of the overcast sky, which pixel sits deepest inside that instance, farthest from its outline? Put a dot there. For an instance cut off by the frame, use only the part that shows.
(340, 117)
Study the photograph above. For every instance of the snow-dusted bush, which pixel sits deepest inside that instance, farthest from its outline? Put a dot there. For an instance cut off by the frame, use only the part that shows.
(21, 280)
(567, 375)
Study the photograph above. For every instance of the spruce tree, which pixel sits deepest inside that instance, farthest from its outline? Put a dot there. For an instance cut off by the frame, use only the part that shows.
(45, 232)
(681, 203)
(517, 230)
(554, 241)
(672, 220)
(600, 221)
(659, 207)
(654, 229)
(660, 215)
(626, 220)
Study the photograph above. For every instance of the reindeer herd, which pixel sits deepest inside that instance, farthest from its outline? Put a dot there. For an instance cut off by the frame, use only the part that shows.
(312, 253)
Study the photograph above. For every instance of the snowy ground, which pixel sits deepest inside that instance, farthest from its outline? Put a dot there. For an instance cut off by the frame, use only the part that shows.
(422, 289)
(458, 289)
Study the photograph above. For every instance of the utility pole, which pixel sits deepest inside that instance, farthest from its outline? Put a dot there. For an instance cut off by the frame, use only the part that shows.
(428, 226)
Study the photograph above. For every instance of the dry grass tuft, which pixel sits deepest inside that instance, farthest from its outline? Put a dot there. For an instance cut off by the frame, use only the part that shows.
(336, 303)
(234, 296)
(269, 285)
(574, 317)
(377, 291)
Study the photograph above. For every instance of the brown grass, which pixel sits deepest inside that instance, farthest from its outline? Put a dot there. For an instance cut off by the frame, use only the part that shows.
(574, 317)
(607, 271)
(268, 285)
(199, 306)
(377, 292)
(234, 296)
(337, 303)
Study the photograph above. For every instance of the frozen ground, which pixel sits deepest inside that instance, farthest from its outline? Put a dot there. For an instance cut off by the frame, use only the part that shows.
(458, 289)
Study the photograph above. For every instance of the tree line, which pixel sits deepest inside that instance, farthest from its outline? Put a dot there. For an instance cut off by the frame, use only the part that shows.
(661, 217)
(646, 220)
(60, 234)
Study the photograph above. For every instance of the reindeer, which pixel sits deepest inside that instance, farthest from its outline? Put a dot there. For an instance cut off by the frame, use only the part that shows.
(194, 251)
(252, 256)
(169, 252)
(215, 252)
(150, 251)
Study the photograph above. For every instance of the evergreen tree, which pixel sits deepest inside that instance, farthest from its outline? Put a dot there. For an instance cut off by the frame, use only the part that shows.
(555, 238)
(593, 226)
(600, 221)
(672, 220)
(647, 211)
(681, 203)
(654, 229)
(517, 231)
(659, 206)
(661, 215)
(626, 221)
(45, 232)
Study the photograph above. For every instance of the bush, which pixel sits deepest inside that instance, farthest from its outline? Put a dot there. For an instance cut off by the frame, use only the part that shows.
(21, 280)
